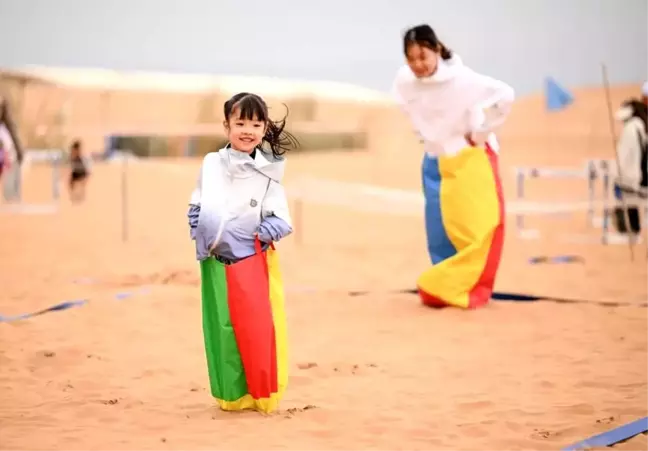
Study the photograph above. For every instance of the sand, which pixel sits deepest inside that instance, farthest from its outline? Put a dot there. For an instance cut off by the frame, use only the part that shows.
(378, 371)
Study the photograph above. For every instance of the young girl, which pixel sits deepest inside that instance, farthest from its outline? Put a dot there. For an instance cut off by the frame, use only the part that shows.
(237, 211)
(78, 173)
(454, 109)
(633, 179)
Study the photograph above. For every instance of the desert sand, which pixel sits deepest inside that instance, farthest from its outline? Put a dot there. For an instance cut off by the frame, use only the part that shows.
(377, 371)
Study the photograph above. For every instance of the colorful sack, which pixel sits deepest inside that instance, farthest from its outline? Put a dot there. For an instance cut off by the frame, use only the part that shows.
(464, 218)
(244, 327)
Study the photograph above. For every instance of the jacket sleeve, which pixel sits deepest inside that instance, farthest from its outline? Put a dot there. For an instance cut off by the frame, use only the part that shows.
(495, 105)
(194, 207)
(196, 193)
(276, 223)
(629, 151)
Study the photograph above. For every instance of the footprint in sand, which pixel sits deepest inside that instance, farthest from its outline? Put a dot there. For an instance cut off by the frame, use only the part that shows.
(310, 372)
(541, 433)
(339, 369)
(606, 420)
(292, 411)
(555, 435)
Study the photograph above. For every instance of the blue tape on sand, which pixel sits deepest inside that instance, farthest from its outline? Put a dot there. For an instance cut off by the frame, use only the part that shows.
(55, 308)
(70, 304)
(127, 294)
(558, 259)
(612, 437)
(516, 297)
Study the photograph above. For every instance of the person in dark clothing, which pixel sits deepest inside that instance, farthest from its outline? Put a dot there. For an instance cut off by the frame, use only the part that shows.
(78, 173)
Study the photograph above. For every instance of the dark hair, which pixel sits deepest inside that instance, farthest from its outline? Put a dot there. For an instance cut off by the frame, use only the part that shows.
(639, 109)
(252, 107)
(76, 145)
(425, 36)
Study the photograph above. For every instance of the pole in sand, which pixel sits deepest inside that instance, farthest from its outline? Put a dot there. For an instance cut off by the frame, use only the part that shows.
(124, 196)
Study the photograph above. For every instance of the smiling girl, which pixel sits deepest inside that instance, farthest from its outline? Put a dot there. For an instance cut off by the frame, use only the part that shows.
(236, 212)
(246, 177)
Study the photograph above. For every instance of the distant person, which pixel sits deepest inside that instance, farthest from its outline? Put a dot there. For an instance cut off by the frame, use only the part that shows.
(12, 153)
(455, 110)
(9, 165)
(632, 150)
(78, 172)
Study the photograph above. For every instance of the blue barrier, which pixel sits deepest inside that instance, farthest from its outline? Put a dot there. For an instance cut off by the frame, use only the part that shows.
(609, 438)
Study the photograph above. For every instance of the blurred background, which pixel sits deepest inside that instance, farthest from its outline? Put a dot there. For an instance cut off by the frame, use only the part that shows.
(147, 67)
(141, 85)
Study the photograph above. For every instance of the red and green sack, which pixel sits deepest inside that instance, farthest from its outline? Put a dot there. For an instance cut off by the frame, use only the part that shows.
(244, 326)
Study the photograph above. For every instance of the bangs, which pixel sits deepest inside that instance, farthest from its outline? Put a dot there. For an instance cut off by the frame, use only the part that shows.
(250, 108)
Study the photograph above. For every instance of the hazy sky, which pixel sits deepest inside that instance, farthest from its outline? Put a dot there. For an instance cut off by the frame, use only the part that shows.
(357, 41)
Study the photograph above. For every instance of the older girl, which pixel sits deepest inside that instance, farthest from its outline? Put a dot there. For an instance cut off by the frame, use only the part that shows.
(455, 109)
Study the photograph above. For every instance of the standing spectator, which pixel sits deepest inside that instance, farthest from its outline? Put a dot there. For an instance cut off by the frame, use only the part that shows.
(631, 149)
(12, 153)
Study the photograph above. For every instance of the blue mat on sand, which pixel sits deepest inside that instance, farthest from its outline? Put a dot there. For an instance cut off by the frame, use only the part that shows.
(609, 438)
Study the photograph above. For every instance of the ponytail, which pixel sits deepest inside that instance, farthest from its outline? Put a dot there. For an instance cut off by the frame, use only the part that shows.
(445, 52)
(277, 138)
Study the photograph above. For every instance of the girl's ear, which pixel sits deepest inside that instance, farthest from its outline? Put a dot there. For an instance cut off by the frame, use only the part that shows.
(226, 126)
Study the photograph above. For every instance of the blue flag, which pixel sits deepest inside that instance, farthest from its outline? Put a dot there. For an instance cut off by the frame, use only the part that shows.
(556, 96)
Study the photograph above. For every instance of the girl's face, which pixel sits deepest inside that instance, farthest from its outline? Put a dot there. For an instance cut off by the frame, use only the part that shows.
(244, 134)
(422, 60)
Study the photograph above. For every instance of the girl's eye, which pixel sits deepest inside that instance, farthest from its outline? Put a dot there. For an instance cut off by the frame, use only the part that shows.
(257, 125)
(239, 124)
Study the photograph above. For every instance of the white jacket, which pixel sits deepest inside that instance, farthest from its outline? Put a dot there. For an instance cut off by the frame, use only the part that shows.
(452, 102)
(235, 194)
(630, 145)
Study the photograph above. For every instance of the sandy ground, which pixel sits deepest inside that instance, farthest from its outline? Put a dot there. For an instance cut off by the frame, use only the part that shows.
(378, 371)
